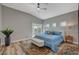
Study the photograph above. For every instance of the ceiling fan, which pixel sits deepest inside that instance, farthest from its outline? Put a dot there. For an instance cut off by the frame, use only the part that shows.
(40, 8)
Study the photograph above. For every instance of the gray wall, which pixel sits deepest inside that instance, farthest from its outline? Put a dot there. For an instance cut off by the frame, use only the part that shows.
(22, 23)
(71, 17)
(19, 21)
(0, 22)
(0, 17)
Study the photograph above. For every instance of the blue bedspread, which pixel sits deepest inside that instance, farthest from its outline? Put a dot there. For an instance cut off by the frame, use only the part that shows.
(51, 41)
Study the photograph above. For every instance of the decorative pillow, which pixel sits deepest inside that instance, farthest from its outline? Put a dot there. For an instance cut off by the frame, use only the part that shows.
(57, 33)
(48, 32)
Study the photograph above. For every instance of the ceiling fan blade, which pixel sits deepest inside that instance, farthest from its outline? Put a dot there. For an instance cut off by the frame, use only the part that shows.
(43, 8)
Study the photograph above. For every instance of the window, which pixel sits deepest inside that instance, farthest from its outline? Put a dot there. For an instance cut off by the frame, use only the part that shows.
(46, 27)
(36, 28)
(63, 23)
(54, 24)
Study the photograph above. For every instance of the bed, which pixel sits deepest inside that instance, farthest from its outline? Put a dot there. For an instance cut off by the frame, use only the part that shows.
(51, 40)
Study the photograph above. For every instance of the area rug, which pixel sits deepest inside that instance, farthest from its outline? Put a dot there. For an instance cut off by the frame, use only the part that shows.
(35, 50)
(65, 49)
(23, 48)
(69, 49)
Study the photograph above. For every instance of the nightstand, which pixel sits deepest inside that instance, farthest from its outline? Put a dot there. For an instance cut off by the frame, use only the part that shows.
(68, 39)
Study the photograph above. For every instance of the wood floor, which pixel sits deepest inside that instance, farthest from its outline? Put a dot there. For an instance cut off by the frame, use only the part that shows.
(15, 48)
(20, 48)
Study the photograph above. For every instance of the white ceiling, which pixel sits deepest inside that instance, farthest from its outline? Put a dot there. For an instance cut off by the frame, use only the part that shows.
(53, 9)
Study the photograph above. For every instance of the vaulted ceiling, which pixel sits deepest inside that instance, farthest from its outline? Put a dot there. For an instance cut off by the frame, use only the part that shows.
(47, 10)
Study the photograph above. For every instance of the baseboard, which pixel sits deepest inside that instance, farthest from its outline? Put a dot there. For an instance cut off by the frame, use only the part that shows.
(75, 42)
(16, 41)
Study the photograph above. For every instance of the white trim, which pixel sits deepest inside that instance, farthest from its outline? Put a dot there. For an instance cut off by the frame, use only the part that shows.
(75, 42)
(2, 43)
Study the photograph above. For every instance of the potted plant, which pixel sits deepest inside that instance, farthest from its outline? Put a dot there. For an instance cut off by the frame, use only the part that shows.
(7, 32)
